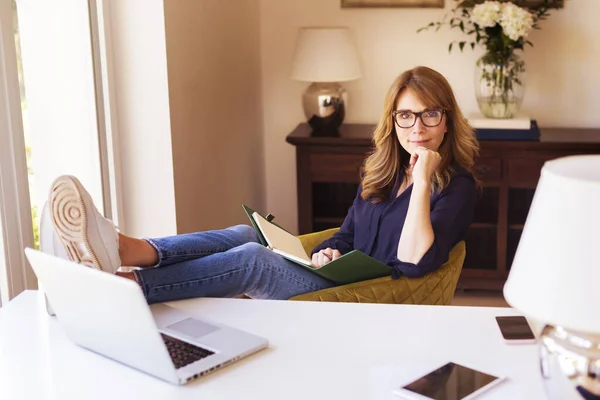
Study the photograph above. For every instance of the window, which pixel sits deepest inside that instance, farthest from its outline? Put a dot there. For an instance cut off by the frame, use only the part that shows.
(54, 120)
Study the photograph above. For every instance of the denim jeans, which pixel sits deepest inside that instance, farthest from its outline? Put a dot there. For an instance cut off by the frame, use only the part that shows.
(222, 263)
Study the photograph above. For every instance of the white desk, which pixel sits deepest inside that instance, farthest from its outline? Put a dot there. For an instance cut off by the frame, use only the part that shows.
(317, 351)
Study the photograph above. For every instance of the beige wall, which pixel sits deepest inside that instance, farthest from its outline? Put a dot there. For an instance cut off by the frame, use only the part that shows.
(213, 58)
(188, 112)
(138, 65)
(563, 86)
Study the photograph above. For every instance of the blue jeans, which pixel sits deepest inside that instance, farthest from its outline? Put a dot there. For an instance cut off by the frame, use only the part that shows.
(222, 263)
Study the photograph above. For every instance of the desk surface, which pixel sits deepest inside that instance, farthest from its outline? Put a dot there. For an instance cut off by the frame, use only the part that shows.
(317, 351)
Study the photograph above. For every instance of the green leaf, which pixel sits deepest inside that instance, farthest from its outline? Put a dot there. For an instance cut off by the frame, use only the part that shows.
(450, 47)
(472, 45)
(426, 27)
(462, 26)
(461, 45)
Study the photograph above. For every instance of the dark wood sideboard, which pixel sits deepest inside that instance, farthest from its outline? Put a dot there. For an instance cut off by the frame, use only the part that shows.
(328, 177)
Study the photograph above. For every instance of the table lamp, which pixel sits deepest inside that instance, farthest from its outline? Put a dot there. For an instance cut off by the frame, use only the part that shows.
(325, 57)
(555, 275)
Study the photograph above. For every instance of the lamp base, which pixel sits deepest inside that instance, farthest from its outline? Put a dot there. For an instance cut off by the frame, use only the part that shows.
(325, 107)
(570, 364)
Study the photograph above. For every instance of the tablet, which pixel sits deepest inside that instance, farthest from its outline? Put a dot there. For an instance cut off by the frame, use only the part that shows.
(449, 382)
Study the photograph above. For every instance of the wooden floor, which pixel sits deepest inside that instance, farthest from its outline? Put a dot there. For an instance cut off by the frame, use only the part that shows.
(479, 298)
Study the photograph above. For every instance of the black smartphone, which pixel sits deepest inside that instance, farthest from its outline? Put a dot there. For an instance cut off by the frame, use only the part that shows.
(515, 330)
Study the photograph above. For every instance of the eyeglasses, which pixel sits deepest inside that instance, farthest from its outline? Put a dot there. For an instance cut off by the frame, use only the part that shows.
(407, 119)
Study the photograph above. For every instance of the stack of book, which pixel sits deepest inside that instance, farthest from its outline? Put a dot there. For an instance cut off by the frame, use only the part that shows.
(517, 128)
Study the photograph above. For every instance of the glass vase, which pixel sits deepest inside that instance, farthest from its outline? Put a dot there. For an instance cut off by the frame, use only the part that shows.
(499, 85)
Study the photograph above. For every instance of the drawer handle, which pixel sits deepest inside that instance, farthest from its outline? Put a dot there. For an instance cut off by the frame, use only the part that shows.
(482, 170)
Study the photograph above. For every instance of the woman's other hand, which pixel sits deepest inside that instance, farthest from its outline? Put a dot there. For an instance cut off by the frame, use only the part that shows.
(423, 163)
(324, 256)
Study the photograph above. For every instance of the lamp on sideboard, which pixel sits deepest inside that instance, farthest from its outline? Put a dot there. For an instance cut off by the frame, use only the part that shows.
(325, 56)
(555, 275)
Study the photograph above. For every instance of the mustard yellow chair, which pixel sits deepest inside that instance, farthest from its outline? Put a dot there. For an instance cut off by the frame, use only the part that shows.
(436, 288)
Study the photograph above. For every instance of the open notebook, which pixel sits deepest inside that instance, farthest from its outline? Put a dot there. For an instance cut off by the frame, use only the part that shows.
(351, 267)
(281, 241)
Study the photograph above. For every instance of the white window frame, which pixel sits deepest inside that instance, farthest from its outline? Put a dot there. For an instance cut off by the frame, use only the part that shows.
(107, 111)
(15, 208)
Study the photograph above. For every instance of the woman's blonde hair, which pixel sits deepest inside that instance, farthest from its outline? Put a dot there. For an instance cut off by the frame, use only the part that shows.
(458, 148)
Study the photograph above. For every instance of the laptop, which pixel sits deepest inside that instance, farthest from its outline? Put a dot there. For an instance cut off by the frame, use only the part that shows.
(109, 315)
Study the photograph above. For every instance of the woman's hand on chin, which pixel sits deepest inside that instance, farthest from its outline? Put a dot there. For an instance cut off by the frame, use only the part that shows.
(423, 163)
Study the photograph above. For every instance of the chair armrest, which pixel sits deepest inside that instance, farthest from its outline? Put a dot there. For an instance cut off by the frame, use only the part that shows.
(435, 288)
(311, 240)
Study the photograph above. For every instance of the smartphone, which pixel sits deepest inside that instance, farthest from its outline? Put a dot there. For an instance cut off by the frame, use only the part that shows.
(449, 382)
(515, 330)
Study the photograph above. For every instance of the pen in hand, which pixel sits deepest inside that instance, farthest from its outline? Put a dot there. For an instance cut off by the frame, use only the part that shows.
(324, 256)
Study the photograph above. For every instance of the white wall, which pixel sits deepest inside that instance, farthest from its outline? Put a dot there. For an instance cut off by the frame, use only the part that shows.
(143, 121)
(563, 88)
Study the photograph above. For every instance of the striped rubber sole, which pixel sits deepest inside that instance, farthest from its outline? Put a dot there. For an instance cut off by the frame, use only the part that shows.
(70, 220)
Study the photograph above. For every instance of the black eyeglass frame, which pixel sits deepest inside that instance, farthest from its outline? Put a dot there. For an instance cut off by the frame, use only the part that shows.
(417, 115)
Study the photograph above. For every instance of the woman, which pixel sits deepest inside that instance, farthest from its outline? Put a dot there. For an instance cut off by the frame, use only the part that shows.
(415, 202)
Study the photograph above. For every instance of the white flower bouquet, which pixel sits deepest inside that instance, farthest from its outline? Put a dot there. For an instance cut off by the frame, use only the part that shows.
(502, 27)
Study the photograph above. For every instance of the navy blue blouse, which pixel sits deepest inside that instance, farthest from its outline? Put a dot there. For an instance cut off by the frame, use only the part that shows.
(375, 229)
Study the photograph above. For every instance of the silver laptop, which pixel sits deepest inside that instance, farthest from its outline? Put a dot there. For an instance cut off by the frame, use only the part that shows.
(109, 315)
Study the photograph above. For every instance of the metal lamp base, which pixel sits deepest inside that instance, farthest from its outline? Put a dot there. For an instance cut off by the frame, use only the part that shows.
(325, 107)
(570, 364)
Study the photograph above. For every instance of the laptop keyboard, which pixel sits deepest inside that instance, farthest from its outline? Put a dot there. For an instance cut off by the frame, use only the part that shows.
(183, 353)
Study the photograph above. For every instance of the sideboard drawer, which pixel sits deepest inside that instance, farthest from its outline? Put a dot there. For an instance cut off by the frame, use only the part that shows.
(525, 172)
(488, 169)
(327, 167)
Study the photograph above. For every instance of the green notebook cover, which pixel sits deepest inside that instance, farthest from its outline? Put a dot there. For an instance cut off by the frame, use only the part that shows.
(249, 213)
(352, 267)
(269, 217)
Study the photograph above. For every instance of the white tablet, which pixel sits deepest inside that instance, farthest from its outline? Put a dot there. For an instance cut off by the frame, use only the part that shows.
(449, 382)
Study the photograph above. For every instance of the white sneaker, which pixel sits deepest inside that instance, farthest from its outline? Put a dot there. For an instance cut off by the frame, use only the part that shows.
(50, 243)
(87, 236)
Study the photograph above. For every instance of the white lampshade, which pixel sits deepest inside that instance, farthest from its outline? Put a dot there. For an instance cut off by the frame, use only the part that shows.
(325, 55)
(555, 276)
